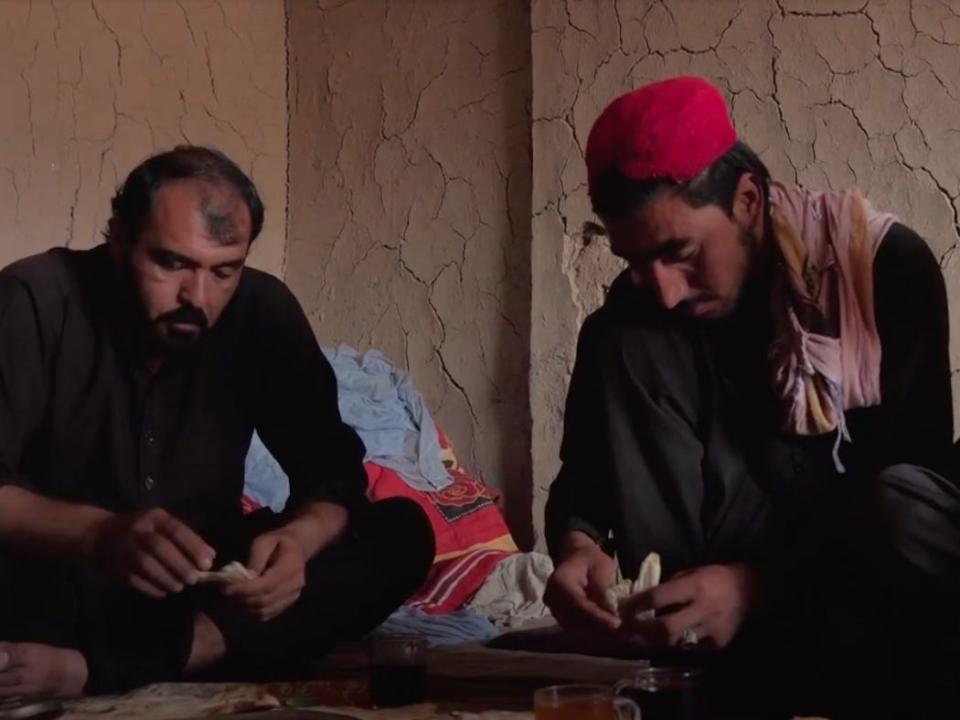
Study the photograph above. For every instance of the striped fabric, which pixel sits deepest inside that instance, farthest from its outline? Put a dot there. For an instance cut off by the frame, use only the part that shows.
(452, 582)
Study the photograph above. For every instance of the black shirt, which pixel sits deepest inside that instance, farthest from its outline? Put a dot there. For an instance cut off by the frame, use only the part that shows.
(605, 424)
(82, 420)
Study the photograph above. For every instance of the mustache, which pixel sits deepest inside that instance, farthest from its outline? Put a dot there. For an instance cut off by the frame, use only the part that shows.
(689, 306)
(702, 296)
(186, 315)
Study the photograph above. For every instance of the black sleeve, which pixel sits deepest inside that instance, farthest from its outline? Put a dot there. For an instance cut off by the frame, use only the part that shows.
(23, 378)
(916, 418)
(578, 500)
(298, 417)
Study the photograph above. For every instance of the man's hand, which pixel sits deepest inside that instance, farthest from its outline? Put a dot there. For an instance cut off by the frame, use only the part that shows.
(279, 561)
(711, 601)
(575, 591)
(152, 551)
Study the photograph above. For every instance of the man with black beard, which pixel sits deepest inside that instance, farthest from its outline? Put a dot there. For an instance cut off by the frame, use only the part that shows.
(764, 401)
(132, 377)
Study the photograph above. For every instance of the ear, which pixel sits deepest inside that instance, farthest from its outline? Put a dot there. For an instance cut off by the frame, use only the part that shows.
(748, 202)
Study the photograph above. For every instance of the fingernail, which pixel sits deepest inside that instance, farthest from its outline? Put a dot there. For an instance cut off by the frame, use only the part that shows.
(206, 562)
(192, 578)
(4, 659)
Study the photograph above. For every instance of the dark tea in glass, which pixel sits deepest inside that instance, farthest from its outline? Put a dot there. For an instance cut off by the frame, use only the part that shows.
(398, 670)
(666, 693)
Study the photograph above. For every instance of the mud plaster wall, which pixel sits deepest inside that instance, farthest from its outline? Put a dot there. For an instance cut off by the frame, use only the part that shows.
(410, 156)
(88, 89)
(409, 224)
(832, 93)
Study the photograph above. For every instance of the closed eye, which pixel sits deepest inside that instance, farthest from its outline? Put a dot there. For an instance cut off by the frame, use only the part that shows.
(677, 250)
(170, 261)
(225, 272)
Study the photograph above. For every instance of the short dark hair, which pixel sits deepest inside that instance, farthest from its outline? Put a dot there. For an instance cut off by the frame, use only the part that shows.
(133, 201)
(617, 197)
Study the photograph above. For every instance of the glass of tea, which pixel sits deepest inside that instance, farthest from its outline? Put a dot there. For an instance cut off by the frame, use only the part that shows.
(666, 693)
(398, 670)
(582, 702)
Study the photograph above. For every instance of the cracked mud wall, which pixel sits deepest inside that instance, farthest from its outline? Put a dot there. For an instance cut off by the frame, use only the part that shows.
(418, 222)
(409, 224)
(89, 89)
(831, 93)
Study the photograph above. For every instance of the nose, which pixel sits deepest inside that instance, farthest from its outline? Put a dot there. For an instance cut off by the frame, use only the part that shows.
(671, 285)
(194, 289)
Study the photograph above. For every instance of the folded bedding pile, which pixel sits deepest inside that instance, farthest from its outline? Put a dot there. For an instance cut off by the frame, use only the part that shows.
(479, 581)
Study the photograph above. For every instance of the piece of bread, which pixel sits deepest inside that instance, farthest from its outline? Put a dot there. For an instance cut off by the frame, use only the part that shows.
(648, 577)
(231, 572)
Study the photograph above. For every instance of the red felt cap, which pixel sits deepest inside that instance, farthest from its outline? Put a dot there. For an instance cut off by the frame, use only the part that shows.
(673, 128)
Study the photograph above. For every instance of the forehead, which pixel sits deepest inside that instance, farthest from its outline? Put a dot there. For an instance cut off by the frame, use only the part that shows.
(200, 209)
(667, 217)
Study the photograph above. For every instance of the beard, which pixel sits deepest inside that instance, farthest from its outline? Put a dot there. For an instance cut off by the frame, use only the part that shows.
(748, 238)
(179, 329)
(160, 335)
(721, 306)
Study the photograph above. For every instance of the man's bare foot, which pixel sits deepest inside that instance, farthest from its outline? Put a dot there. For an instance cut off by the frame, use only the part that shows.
(209, 646)
(33, 670)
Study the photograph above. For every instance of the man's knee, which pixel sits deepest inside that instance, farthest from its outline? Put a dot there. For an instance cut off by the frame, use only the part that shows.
(404, 540)
(914, 479)
(918, 511)
(912, 498)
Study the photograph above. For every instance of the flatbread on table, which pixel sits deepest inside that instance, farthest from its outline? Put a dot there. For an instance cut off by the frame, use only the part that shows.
(173, 701)
(648, 577)
(229, 573)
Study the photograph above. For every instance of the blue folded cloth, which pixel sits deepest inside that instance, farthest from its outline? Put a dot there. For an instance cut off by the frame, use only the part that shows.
(453, 628)
(378, 400)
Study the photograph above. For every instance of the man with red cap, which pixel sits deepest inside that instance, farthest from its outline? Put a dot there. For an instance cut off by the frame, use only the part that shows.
(764, 401)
